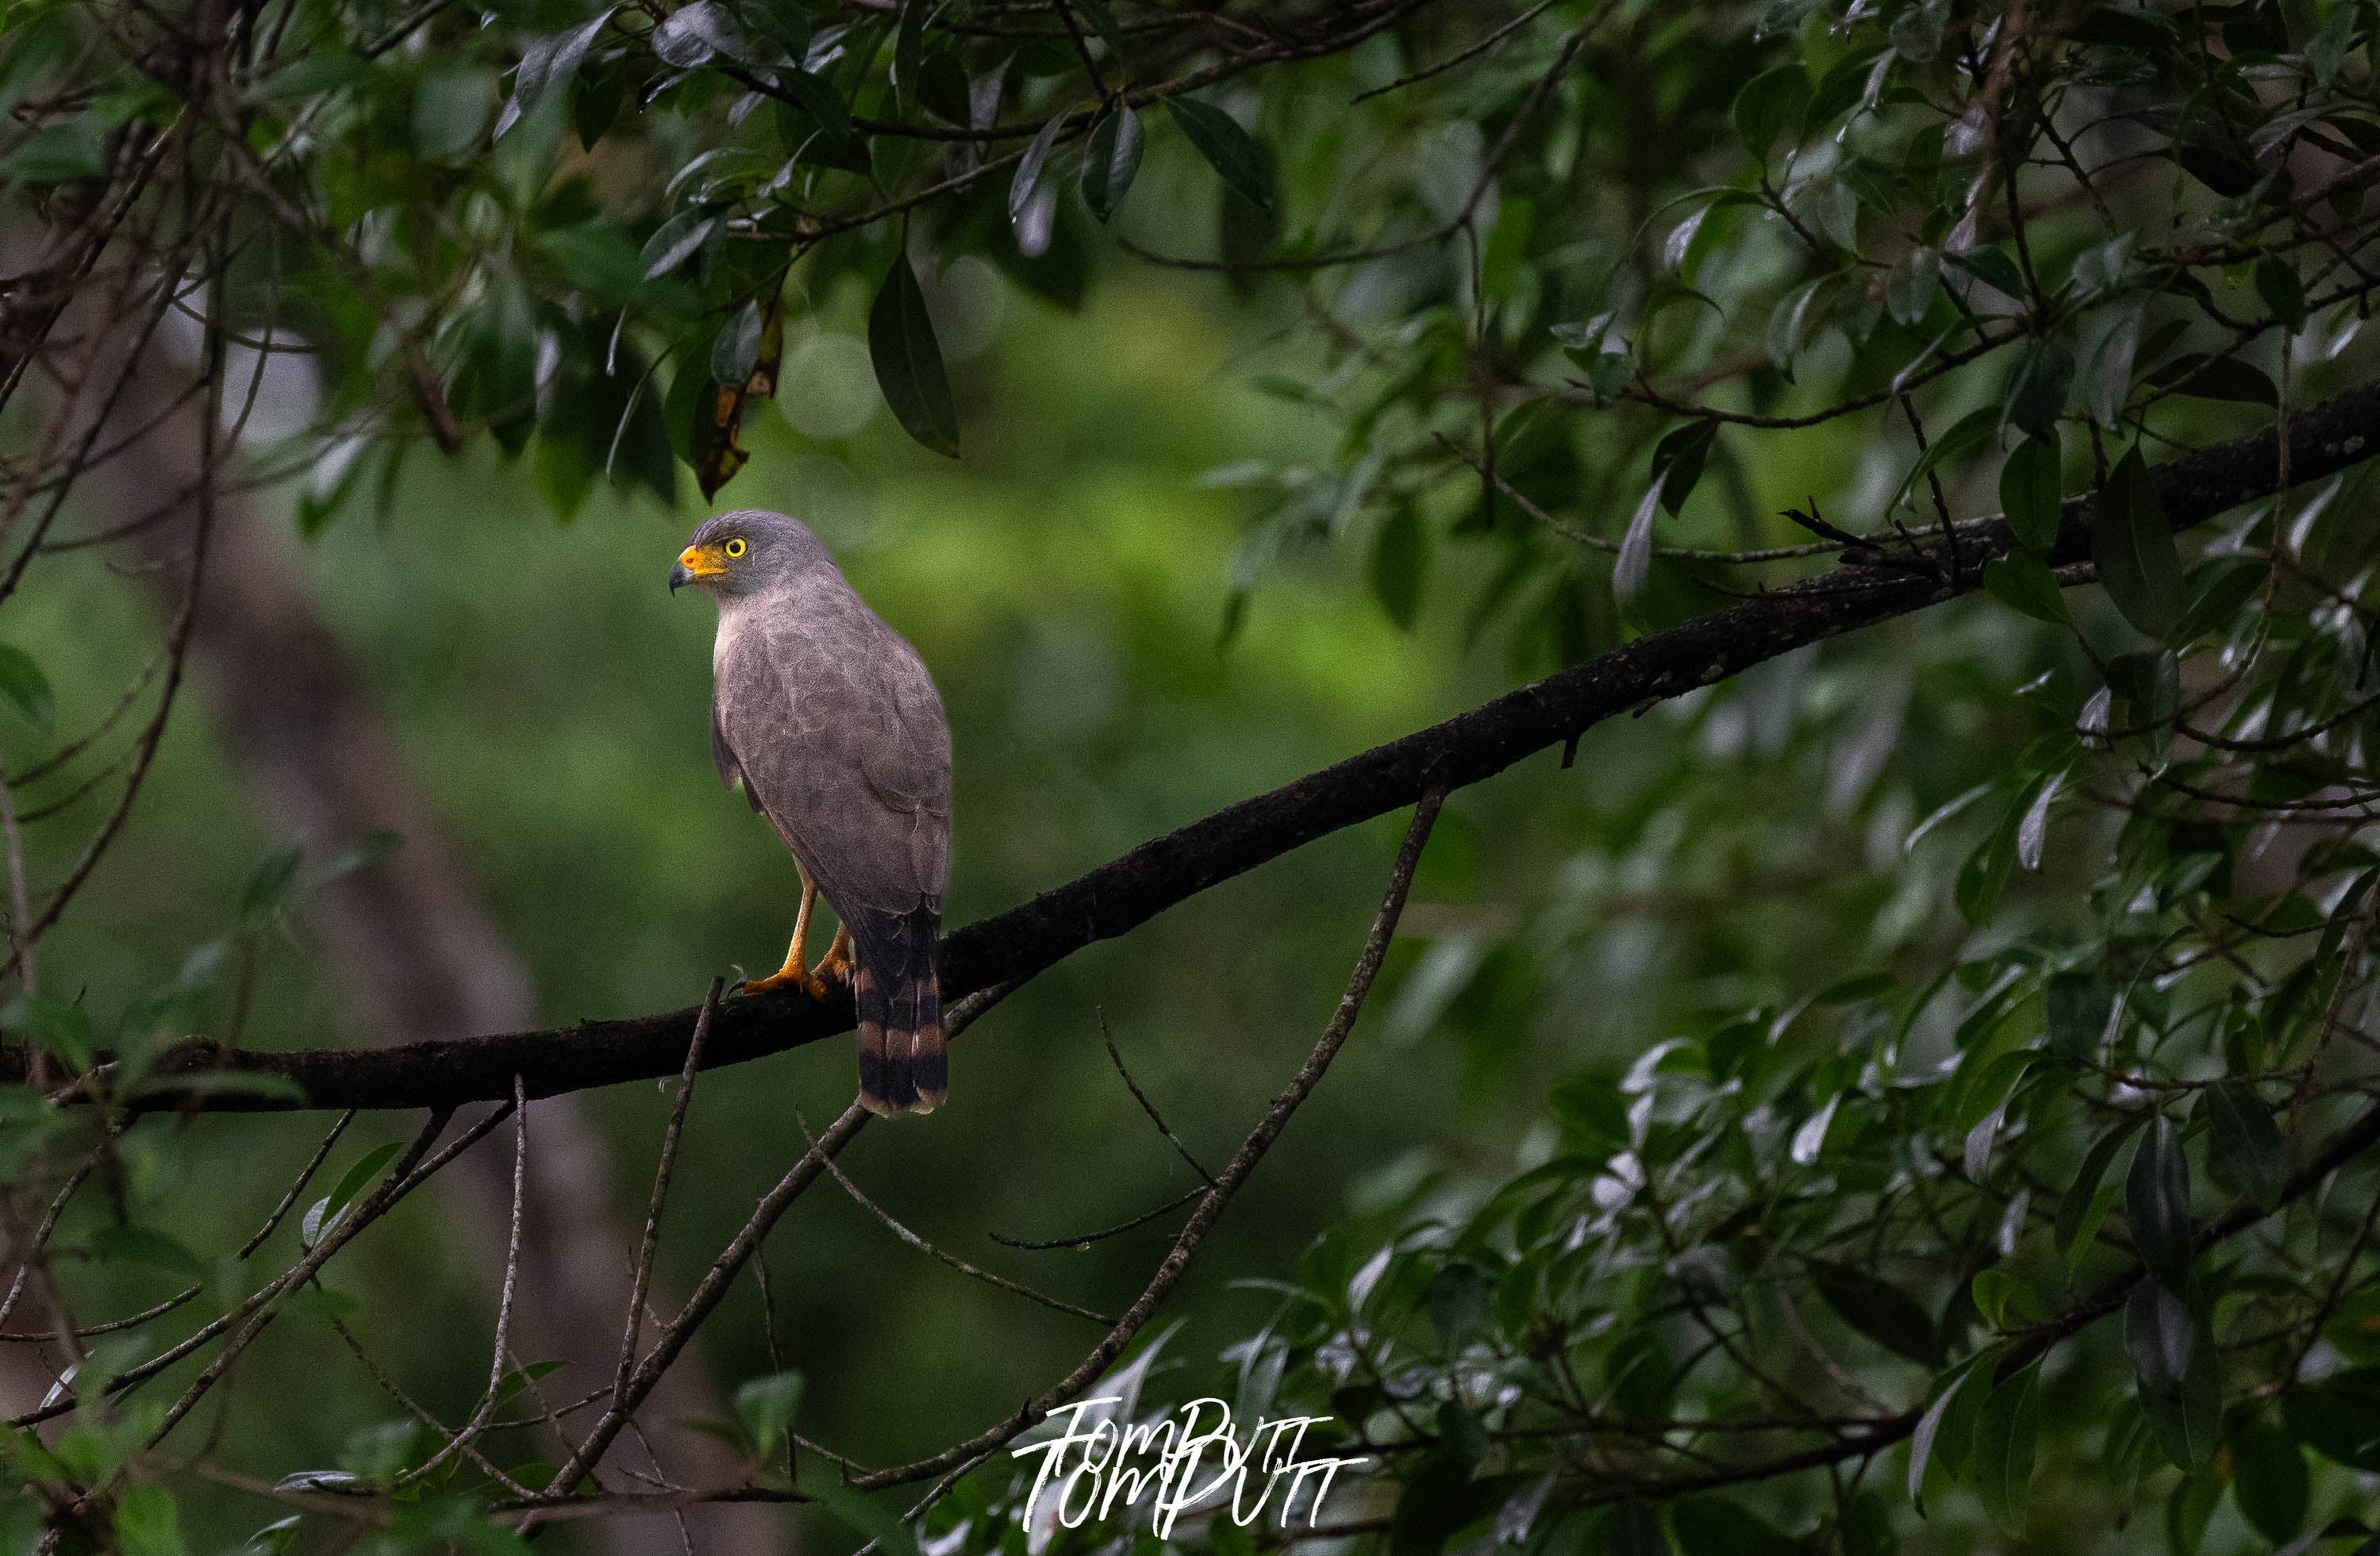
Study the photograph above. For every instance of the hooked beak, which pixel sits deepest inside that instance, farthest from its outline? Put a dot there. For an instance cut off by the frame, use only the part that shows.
(696, 565)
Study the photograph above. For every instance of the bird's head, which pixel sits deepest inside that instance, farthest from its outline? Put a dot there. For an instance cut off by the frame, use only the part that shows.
(747, 552)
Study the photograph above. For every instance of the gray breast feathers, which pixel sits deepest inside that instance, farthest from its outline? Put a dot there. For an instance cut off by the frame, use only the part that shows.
(834, 724)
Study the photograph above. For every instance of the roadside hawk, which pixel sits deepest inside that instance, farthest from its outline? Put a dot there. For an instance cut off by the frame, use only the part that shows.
(828, 719)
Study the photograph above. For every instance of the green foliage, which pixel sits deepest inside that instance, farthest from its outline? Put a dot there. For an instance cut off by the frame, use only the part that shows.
(1999, 1147)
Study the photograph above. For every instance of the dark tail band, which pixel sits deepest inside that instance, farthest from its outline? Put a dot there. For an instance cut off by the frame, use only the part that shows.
(898, 991)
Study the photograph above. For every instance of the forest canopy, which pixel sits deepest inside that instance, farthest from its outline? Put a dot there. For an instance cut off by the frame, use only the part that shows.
(1932, 1100)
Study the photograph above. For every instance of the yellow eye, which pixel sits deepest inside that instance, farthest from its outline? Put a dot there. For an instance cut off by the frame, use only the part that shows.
(735, 548)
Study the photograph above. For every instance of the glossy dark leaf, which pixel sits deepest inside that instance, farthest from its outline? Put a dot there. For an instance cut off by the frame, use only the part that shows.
(1944, 1432)
(1994, 267)
(693, 35)
(2218, 590)
(2133, 543)
(2005, 1438)
(1111, 161)
(1767, 103)
(1102, 24)
(2339, 1417)
(909, 52)
(2269, 1479)
(1022, 189)
(1718, 1526)
(2245, 1143)
(909, 363)
(2031, 491)
(677, 240)
(2085, 1201)
(2170, 1339)
(2036, 391)
(1679, 459)
(1231, 151)
(942, 88)
(1634, 562)
(2022, 581)
(2156, 1205)
(1881, 1311)
(2277, 284)
(2215, 378)
(736, 351)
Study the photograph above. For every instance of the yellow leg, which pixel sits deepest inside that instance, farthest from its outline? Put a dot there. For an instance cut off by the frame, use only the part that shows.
(838, 961)
(796, 970)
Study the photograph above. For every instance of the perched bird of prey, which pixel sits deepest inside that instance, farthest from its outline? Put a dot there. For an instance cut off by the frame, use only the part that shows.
(828, 719)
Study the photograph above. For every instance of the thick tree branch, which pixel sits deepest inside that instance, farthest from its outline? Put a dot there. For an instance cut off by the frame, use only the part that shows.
(1127, 891)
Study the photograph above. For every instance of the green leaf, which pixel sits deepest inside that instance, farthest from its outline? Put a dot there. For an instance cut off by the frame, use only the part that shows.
(62, 1028)
(267, 891)
(2036, 391)
(2030, 492)
(893, 1537)
(824, 106)
(692, 35)
(1767, 103)
(126, 1243)
(1909, 286)
(2108, 376)
(909, 54)
(1457, 1304)
(2218, 590)
(2084, 1202)
(766, 1406)
(148, 1522)
(1714, 1525)
(450, 110)
(1400, 558)
(677, 240)
(1994, 267)
(2022, 581)
(1231, 151)
(366, 1169)
(2004, 1448)
(1967, 436)
(2269, 1479)
(57, 153)
(1111, 161)
(1103, 24)
(2244, 1143)
(908, 362)
(2157, 1204)
(2339, 1417)
(1789, 321)
(1022, 188)
(1878, 1310)
(25, 688)
(1634, 565)
(2134, 545)
(942, 88)
(2170, 1338)
(2277, 284)
(2215, 378)
(1677, 460)
(1948, 1423)
(736, 350)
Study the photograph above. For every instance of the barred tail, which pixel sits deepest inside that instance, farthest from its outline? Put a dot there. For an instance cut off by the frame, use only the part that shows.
(898, 991)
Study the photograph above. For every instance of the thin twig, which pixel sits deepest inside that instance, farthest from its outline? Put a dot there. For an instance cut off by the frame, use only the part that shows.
(1146, 1105)
(641, 1281)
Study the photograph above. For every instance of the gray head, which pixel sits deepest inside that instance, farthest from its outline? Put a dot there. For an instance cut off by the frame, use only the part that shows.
(749, 551)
